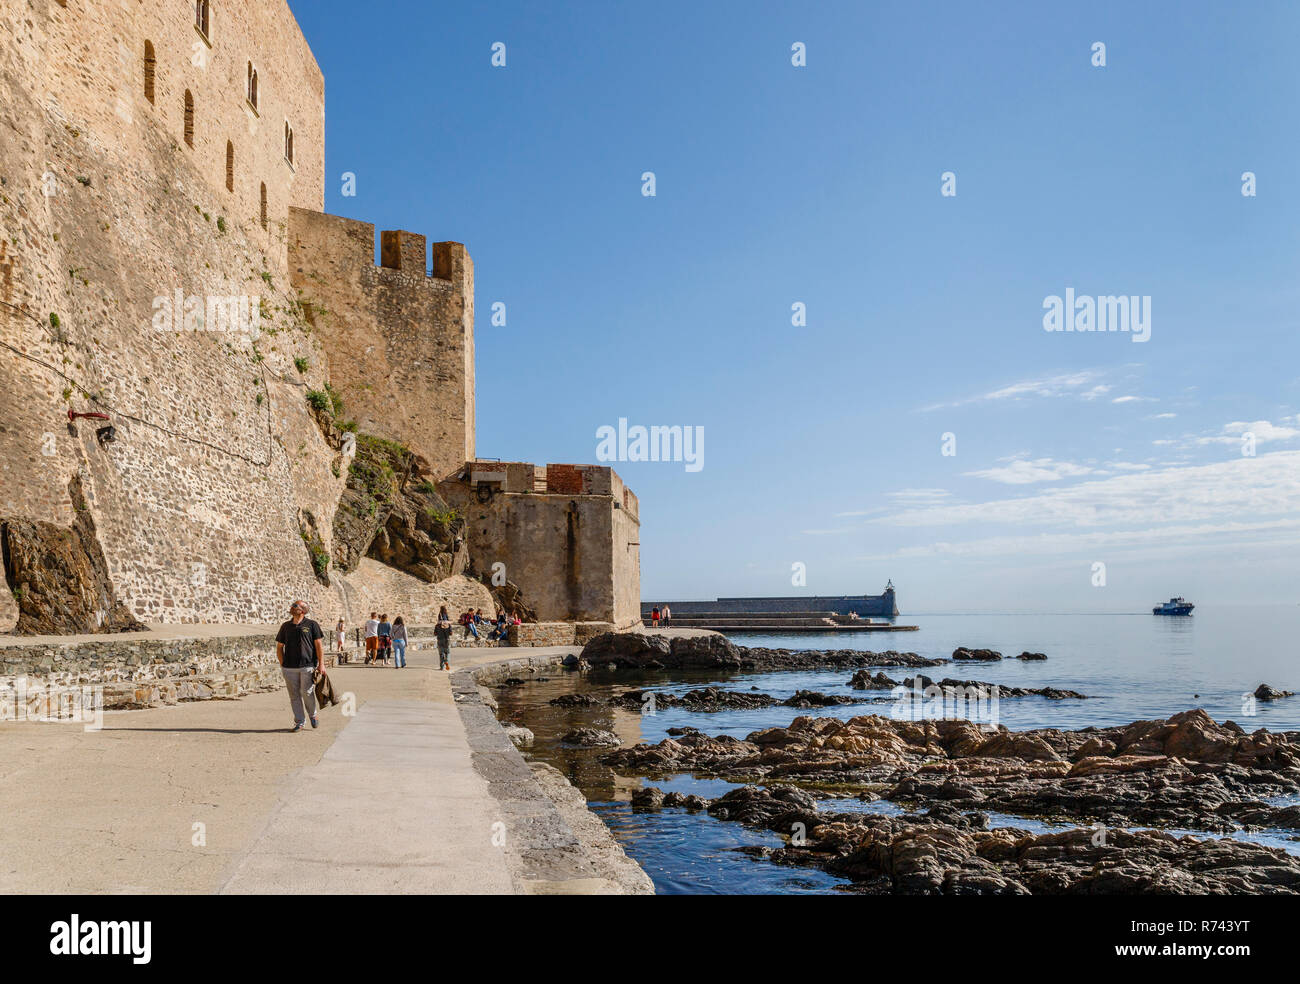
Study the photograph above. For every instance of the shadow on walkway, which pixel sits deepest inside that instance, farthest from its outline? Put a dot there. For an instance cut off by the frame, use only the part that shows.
(211, 731)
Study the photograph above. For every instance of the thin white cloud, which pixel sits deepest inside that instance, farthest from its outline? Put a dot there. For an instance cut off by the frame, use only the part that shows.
(1085, 384)
(1263, 430)
(1265, 485)
(1198, 536)
(1126, 466)
(1026, 472)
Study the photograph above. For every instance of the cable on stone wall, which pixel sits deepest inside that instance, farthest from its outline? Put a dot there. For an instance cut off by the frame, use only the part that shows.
(140, 420)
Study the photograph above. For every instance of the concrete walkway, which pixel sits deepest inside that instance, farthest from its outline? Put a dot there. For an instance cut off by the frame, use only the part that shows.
(392, 807)
(219, 796)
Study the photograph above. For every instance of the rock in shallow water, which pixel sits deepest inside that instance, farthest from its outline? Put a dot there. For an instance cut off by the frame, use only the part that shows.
(636, 650)
(521, 736)
(591, 738)
(948, 851)
(1265, 692)
(1187, 771)
(976, 655)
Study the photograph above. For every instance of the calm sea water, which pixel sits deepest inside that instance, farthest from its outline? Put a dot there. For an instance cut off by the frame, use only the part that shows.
(1135, 667)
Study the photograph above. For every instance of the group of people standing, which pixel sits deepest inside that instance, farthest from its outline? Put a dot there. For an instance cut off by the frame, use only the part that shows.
(661, 615)
(383, 638)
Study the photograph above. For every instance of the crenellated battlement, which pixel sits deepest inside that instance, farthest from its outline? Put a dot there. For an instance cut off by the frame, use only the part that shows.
(399, 334)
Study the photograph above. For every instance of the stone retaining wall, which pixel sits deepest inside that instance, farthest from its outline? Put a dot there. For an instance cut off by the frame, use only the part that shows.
(134, 673)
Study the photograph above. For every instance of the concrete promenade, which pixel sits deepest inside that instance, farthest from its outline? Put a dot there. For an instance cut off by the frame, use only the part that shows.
(218, 796)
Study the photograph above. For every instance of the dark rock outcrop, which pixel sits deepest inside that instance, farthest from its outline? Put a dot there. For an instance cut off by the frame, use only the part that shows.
(710, 699)
(391, 512)
(1186, 771)
(575, 700)
(509, 597)
(973, 687)
(636, 650)
(1265, 692)
(949, 851)
(863, 680)
(976, 655)
(1032, 656)
(59, 577)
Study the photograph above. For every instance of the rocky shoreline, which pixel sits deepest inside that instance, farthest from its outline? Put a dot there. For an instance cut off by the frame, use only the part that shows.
(1182, 772)
(1187, 771)
(946, 851)
(943, 779)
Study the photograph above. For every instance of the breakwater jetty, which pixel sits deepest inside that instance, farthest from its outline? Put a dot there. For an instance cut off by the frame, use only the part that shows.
(792, 622)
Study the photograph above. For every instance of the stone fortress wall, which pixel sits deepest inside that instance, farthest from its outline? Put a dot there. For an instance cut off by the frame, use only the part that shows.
(567, 534)
(116, 191)
(400, 338)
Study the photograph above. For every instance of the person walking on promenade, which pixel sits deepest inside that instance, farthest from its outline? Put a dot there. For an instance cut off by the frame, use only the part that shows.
(654, 617)
(340, 635)
(300, 649)
(442, 632)
(385, 638)
(399, 643)
(665, 615)
(372, 637)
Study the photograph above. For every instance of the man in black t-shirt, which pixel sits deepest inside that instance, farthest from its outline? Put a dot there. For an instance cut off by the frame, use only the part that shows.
(301, 653)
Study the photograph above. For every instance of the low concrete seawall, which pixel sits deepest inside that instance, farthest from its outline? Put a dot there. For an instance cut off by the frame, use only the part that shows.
(554, 843)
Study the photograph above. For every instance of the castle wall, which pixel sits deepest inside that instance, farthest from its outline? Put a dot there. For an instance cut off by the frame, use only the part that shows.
(212, 426)
(83, 62)
(572, 553)
(400, 341)
(116, 237)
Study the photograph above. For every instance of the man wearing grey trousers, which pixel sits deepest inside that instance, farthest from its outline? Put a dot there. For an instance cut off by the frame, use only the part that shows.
(301, 652)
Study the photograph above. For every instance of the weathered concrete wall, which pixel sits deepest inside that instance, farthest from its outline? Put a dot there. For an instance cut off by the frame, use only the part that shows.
(400, 342)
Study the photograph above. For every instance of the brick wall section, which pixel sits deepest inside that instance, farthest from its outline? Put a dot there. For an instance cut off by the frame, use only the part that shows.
(563, 480)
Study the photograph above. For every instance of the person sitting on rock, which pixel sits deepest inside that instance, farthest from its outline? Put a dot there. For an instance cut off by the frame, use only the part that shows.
(467, 620)
(502, 628)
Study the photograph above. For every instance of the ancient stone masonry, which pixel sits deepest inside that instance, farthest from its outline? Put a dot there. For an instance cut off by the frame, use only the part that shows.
(568, 535)
(164, 263)
(59, 578)
(400, 340)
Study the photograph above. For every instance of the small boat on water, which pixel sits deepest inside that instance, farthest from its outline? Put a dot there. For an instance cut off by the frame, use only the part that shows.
(1174, 606)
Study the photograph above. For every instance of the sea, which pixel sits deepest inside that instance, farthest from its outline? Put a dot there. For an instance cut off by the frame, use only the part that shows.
(1132, 666)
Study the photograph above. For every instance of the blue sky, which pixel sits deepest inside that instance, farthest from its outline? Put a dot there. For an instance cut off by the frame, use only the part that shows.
(821, 184)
